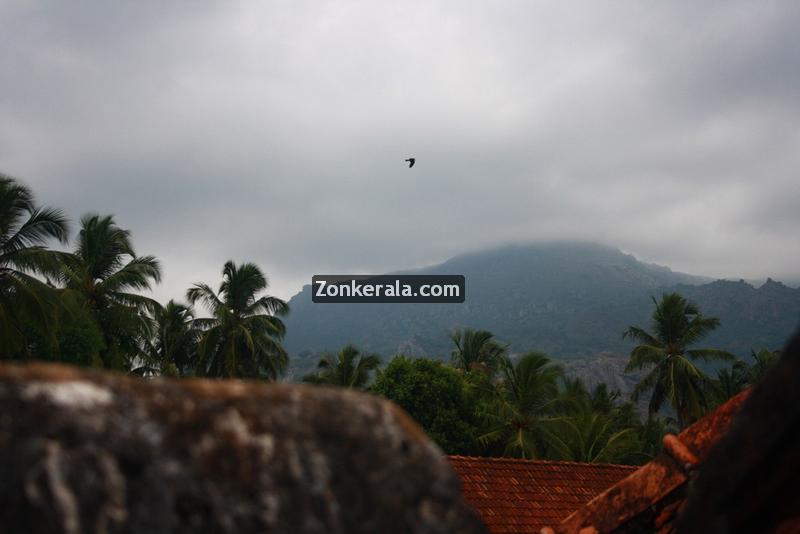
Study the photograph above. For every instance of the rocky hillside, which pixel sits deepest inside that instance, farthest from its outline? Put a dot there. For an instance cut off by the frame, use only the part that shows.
(571, 300)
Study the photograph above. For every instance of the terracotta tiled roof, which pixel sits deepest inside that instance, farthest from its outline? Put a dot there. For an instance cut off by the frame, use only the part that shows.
(650, 499)
(522, 496)
(741, 460)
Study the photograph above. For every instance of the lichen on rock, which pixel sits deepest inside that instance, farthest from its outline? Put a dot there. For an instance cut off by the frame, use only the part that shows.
(91, 452)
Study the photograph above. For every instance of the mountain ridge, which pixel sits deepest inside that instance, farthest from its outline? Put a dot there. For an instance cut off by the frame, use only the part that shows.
(568, 299)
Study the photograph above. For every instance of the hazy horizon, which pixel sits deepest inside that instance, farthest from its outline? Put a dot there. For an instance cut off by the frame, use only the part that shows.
(755, 282)
(276, 133)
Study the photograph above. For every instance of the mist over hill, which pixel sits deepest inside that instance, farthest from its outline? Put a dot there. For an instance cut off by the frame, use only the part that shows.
(570, 300)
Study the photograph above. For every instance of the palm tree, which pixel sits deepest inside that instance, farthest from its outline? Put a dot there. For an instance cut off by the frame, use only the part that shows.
(590, 436)
(476, 350)
(173, 348)
(677, 324)
(24, 231)
(763, 361)
(242, 339)
(106, 272)
(740, 375)
(348, 369)
(728, 383)
(592, 426)
(651, 435)
(517, 419)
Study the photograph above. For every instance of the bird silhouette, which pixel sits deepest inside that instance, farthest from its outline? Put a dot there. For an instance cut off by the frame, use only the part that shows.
(411, 162)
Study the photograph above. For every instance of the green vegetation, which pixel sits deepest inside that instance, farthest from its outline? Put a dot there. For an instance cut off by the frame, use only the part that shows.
(89, 307)
(104, 274)
(493, 404)
(677, 324)
(518, 409)
(437, 397)
(348, 369)
(733, 380)
(243, 336)
(476, 350)
(26, 305)
(172, 349)
(528, 409)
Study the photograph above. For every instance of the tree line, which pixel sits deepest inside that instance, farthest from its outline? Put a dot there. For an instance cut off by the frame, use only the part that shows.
(87, 306)
(489, 402)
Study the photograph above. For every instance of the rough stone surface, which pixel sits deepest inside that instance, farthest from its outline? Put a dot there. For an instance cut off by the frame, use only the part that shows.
(90, 452)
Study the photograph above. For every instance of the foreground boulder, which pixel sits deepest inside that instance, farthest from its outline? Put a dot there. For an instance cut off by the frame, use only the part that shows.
(91, 452)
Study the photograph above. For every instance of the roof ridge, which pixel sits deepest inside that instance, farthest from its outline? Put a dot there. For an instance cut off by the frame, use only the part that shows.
(503, 459)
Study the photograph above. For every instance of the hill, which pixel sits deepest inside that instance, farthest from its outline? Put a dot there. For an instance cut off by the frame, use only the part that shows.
(570, 300)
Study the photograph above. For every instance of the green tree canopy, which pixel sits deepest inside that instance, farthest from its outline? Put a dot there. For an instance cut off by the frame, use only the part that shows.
(476, 350)
(590, 436)
(594, 426)
(172, 349)
(80, 340)
(242, 338)
(25, 302)
(348, 369)
(763, 360)
(105, 272)
(741, 375)
(677, 324)
(518, 416)
(436, 396)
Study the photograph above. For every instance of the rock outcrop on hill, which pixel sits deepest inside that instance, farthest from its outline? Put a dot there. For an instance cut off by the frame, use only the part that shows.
(569, 300)
(92, 452)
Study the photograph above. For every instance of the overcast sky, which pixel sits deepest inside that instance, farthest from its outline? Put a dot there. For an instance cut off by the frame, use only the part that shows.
(275, 132)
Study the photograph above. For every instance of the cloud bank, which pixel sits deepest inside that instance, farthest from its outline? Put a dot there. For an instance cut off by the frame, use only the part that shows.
(276, 132)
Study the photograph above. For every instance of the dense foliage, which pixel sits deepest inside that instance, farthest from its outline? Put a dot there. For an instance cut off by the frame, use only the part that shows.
(89, 307)
(105, 275)
(348, 369)
(436, 396)
(528, 410)
(27, 307)
(243, 336)
(677, 324)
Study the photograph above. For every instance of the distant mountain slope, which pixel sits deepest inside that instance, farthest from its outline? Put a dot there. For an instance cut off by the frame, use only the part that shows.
(570, 300)
(751, 317)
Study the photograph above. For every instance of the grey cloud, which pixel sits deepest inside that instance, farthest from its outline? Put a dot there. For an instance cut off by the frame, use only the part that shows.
(275, 132)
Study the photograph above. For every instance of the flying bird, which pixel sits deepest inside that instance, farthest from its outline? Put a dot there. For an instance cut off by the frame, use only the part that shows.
(411, 162)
